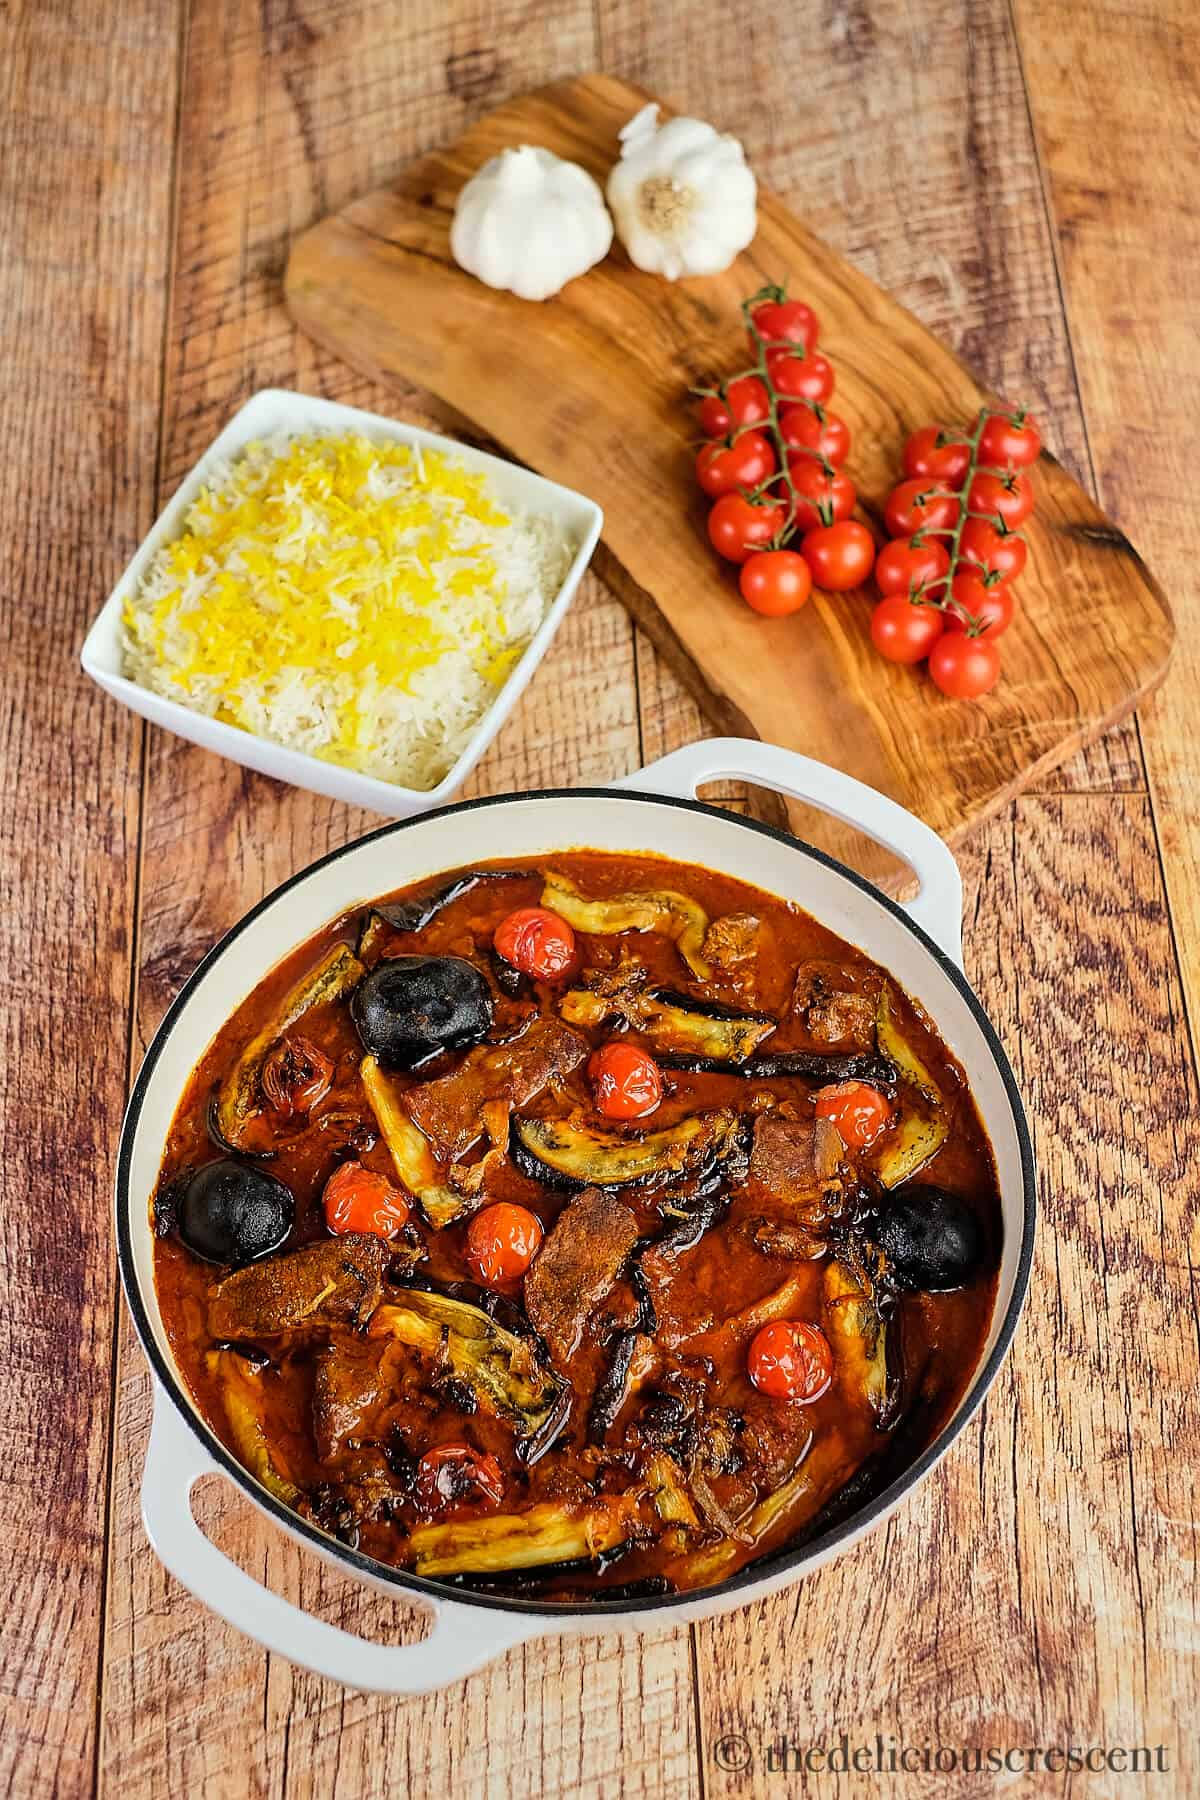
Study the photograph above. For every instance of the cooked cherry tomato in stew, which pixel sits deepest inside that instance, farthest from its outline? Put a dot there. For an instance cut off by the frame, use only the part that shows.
(536, 941)
(790, 1359)
(775, 582)
(295, 1077)
(789, 321)
(905, 631)
(457, 1475)
(806, 428)
(502, 1241)
(625, 1081)
(859, 1111)
(929, 460)
(840, 556)
(738, 527)
(357, 1199)
(1000, 552)
(1008, 496)
(1010, 442)
(723, 468)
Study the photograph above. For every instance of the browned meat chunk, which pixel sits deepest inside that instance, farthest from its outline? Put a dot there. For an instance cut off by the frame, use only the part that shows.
(794, 1159)
(349, 1392)
(793, 1243)
(773, 1440)
(831, 1013)
(578, 1265)
(730, 940)
(450, 1110)
(338, 1282)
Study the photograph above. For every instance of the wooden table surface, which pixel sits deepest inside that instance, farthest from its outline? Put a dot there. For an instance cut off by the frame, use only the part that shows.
(1023, 177)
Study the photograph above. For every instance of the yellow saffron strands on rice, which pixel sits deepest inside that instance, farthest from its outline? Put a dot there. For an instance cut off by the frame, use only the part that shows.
(360, 601)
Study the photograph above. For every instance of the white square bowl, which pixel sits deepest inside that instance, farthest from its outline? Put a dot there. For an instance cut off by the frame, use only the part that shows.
(277, 409)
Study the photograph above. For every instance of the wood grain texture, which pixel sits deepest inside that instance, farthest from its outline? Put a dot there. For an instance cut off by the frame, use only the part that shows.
(377, 283)
(86, 113)
(282, 115)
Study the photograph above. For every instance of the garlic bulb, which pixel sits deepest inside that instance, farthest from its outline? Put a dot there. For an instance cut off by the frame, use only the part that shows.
(530, 222)
(682, 196)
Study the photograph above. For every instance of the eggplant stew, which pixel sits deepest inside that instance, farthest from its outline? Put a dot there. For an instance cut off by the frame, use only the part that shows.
(593, 1227)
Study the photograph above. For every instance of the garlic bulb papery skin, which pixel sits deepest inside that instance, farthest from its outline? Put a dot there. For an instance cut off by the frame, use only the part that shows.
(530, 222)
(682, 196)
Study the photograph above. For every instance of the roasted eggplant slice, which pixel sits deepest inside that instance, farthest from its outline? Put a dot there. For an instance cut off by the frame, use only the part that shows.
(923, 1126)
(857, 1331)
(657, 909)
(242, 1392)
(674, 1022)
(557, 1152)
(547, 1533)
(805, 1065)
(410, 1151)
(415, 914)
(239, 1097)
(503, 1371)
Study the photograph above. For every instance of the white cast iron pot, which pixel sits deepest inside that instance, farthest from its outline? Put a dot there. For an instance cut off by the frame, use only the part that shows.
(655, 810)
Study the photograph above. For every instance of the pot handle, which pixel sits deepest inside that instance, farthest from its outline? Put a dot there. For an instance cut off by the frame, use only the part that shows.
(462, 1640)
(937, 907)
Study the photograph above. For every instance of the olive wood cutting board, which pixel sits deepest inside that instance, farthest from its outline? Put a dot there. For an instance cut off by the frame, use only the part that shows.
(591, 389)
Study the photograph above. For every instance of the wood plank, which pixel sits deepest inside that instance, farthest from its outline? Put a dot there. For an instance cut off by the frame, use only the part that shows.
(1039, 1589)
(1129, 246)
(88, 111)
(286, 115)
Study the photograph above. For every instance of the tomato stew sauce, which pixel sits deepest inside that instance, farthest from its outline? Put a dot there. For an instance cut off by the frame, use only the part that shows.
(618, 1411)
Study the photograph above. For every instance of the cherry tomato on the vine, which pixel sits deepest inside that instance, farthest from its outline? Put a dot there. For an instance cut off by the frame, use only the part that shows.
(1010, 442)
(804, 429)
(917, 504)
(457, 1475)
(747, 400)
(536, 941)
(357, 1199)
(788, 321)
(822, 497)
(722, 468)
(904, 632)
(625, 1081)
(859, 1111)
(502, 1241)
(789, 1359)
(1008, 496)
(738, 527)
(796, 377)
(775, 582)
(964, 667)
(840, 556)
(1000, 552)
(930, 461)
(908, 563)
(991, 604)
(716, 420)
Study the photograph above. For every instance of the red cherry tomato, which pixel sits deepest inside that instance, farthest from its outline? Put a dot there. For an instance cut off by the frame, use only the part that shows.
(991, 604)
(1010, 496)
(357, 1199)
(908, 563)
(800, 377)
(722, 468)
(840, 556)
(999, 552)
(455, 1475)
(775, 582)
(1010, 441)
(747, 400)
(918, 504)
(502, 1241)
(930, 461)
(821, 498)
(905, 633)
(963, 667)
(738, 527)
(822, 433)
(789, 321)
(536, 941)
(790, 1359)
(625, 1081)
(716, 420)
(859, 1111)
